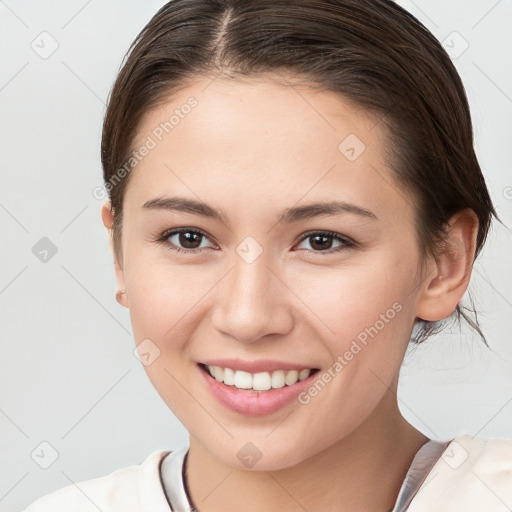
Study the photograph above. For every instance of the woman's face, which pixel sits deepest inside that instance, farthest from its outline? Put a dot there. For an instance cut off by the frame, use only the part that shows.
(258, 287)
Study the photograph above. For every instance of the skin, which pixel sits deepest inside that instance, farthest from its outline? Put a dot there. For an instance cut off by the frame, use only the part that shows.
(252, 150)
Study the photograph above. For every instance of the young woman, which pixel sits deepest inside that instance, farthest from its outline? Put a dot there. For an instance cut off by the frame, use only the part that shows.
(294, 194)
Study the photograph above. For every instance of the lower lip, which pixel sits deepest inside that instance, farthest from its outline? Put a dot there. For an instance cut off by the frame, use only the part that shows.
(254, 403)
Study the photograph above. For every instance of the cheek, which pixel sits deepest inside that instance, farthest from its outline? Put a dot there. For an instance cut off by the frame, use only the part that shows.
(163, 305)
(362, 313)
(351, 296)
(162, 296)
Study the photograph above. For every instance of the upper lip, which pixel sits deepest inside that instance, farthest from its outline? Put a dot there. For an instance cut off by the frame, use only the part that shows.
(262, 365)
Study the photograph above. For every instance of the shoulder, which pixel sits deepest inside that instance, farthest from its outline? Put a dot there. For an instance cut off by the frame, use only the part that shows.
(129, 489)
(472, 474)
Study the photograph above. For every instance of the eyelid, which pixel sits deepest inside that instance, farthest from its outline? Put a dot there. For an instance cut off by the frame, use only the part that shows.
(339, 236)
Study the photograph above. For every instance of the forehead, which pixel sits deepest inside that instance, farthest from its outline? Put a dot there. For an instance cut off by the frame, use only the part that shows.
(265, 111)
(267, 141)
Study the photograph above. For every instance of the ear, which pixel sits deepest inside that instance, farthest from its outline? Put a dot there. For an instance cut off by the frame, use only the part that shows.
(108, 221)
(449, 277)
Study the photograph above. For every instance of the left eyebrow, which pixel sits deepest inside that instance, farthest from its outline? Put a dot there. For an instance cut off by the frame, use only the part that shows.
(330, 208)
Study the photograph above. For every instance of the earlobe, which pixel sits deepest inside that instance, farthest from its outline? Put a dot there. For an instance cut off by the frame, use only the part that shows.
(106, 215)
(108, 221)
(448, 280)
(119, 296)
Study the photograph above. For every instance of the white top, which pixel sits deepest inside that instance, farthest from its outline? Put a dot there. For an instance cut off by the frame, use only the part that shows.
(172, 470)
(466, 474)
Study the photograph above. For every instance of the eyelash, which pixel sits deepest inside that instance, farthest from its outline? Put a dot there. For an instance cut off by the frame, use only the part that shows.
(164, 237)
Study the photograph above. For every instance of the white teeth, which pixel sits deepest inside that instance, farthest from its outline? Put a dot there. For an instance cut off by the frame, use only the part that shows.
(304, 374)
(261, 381)
(291, 377)
(229, 377)
(243, 380)
(278, 379)
(218, 373)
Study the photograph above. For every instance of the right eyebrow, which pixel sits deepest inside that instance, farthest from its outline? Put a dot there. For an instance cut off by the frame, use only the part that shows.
(183, 204)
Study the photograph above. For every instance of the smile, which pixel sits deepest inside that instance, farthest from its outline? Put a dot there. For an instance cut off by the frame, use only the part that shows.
(255, 394)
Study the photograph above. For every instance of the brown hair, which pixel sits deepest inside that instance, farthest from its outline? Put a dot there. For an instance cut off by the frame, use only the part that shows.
(371, 51)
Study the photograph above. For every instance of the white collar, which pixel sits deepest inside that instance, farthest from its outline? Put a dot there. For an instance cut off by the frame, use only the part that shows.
(173, 479)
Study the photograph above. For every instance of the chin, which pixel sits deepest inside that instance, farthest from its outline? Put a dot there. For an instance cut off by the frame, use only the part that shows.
(264, 455)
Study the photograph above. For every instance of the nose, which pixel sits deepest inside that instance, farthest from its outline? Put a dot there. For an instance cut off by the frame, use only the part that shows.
(253, 302)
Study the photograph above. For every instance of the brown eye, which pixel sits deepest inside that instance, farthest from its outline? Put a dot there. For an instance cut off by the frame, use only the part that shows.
(184, 240)
(189, 240)
(323, 241)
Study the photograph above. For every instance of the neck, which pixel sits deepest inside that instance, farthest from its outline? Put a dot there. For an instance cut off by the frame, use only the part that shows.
(362, 471)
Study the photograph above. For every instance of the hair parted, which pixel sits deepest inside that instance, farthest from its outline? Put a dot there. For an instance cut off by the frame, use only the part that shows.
(372, 52)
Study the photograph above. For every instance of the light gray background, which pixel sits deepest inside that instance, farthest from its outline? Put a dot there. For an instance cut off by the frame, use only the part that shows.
(68, 376)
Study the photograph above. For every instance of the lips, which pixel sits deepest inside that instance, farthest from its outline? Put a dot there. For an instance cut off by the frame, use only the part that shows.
(247, 399)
